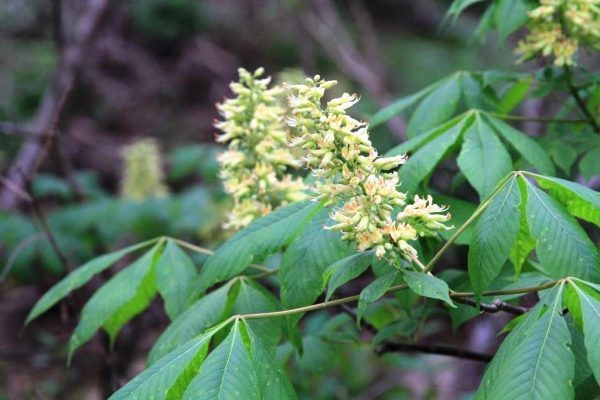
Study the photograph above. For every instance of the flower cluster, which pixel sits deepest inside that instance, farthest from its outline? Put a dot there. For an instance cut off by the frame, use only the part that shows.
(352, 176)
(558, 27)
(143, 177)
(255, 166)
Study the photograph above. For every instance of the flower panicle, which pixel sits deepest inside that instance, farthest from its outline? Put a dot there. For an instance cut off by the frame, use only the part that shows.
(255, 168)
(558, 27)
(143, 175)
(351, 175)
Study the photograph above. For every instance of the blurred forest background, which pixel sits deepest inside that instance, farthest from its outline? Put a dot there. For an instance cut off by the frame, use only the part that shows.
(79, 80)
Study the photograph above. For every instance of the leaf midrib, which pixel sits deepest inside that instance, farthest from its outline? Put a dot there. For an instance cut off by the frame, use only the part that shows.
(546, 334)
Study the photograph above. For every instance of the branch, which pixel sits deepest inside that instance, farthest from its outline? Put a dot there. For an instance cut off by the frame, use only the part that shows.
(541, 120)
(351, 299)
(261, 268)
(494, 307)
(580, 103)
(41, 217)
(323, 22)
(43, 125)
(434, 349)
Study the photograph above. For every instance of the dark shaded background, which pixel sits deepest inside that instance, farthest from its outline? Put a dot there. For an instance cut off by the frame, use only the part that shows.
(81, 79)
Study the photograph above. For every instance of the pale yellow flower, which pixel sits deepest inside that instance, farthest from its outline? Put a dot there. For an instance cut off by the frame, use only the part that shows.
(255, 168)
(353, 176)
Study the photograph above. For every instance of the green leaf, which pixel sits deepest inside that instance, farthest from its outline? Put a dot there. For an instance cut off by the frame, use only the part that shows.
(228, 372)
(582, 368)
(535, 361)
(273, 383)
(80, 277)
(502, 360)
(563, 247)
(458, 6)
(398, 106)
(461, 211)
(436, 108)
(175, 275)
(253, 298)
(483, 159)
(168, 377)
(509, 15)
(525, 243)
(345, 270)
(590, 309)
(581, 201)
(307, 258)
(428, 286)
(494, 235)
(413, 144)
(142, 296)
(486, 23)
(590, 163)
(529, 149)
(261, 238)
(374, 291)
(476, 95)
(514, 95)
(203, 314)
(422, 162)
(117, 300)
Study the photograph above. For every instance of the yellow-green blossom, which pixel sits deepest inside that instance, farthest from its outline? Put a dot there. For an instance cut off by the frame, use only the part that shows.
(558, 27)
(255, 166)
(352, 174)
(143, 177)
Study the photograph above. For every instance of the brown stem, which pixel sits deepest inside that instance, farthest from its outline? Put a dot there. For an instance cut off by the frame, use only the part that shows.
(439, 349)
(580, 103)
(494, 307)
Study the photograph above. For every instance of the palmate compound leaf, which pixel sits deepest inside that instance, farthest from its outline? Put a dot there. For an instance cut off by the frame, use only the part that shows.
(240, 367)
(534, 361)
(563, 248)
(261, 238)
(123, 296)
(203, 314)
(581, 201)
(80, 277)
(169, 377)
(483, 158)
(238, 296)
(590, 313)
(228, 372)
(494, 235)
(175, 275)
